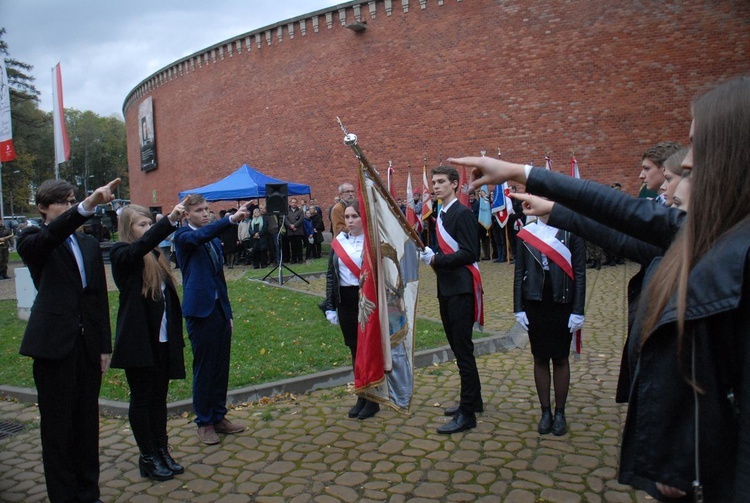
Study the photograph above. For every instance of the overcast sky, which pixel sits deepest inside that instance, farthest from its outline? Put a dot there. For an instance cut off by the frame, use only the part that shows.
(106, 47)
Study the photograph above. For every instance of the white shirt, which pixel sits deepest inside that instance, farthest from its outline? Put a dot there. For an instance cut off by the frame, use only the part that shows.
(346, 277)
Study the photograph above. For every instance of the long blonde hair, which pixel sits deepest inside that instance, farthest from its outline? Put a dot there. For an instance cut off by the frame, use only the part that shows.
(155, 270)
(720, 199)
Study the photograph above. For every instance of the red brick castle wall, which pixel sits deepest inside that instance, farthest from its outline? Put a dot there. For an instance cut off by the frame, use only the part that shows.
(440, 78)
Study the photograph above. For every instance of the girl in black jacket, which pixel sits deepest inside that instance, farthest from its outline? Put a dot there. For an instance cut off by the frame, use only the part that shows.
(149, 343)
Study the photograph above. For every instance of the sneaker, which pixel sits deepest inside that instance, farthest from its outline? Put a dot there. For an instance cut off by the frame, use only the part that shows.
(208, 435)
(227, 427)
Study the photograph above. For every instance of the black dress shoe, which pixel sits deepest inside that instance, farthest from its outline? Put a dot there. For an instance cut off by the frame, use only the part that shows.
(452, 411)
(460, 422)
(545, 424)
(369, 410)
(153, 467)
(354, 411)
(559, 426)
(169, 461)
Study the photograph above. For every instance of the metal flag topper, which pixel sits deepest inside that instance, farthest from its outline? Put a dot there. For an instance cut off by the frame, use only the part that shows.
(350, 139)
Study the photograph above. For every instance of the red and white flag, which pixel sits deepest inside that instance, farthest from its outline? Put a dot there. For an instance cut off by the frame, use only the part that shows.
(502, 205)
(426, 197)
(389, 281)
(574, 168)
(463, 188)
(7, 153)
(62, 146)
(548, 163)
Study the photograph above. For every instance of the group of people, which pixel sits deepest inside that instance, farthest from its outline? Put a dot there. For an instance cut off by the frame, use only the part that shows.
(684, 365)
(68, 333)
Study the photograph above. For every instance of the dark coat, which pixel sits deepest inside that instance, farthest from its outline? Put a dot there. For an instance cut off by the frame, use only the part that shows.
(333, 294)
(63, 308)
(294, 217)
(658, 440)
(261, 242)
(453, 277)
(529, 275)
(139, 318)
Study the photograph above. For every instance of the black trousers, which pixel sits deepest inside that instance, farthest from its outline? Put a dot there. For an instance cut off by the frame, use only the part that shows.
(348, 312)
(295, 243)
(148, 401)
(457, 314)
(68, 393)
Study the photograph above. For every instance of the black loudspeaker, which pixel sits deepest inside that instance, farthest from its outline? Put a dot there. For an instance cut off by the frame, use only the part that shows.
(276, 198)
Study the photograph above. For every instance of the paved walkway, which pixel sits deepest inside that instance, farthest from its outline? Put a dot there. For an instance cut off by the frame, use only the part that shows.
(304, 448)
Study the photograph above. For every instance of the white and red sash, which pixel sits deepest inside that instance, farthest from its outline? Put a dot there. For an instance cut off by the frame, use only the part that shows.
(347, 254)
(544, 239)
(449, 245)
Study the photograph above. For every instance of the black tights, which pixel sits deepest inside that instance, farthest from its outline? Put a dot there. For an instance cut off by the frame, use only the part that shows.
(561, 369)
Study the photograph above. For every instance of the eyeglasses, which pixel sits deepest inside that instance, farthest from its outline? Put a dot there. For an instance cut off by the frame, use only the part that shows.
(350, 191)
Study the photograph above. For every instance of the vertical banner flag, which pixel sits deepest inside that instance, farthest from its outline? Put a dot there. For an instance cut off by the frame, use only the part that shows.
(485, 214)
(390, 179)
(502, 206)
(62, 145)
(389, 281)
(463, 188)
(426, 197)
(574, 168)
(148, 140)
(411, 215)
(7, 153)
(548, 163)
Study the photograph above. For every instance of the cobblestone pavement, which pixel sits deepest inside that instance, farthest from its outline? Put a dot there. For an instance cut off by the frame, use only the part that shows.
(305, 449)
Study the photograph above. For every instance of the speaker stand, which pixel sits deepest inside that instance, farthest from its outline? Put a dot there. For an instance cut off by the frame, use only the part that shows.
(281, 265)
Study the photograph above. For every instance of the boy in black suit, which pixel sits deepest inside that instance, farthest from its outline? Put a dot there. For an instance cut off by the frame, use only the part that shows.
(69, 337)
(459, 288)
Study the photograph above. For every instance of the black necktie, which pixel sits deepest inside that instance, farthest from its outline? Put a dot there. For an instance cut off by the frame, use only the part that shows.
(213, 254)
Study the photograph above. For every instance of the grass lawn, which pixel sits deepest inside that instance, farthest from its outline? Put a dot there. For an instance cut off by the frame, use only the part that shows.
(277, 334)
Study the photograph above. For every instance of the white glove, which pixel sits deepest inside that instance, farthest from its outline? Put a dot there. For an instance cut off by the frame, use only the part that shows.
(426, 255)
(332, 317)
(575, 323)
(522, 320)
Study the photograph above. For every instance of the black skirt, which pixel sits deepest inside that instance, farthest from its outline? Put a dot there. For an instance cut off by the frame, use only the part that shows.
(549, 334)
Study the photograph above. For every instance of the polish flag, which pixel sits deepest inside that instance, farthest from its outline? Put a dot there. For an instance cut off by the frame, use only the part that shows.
(62, 145)
(7, 153)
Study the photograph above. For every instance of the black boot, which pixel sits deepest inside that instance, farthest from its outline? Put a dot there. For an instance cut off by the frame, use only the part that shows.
(169, 461)
(153, 467)
(370, 409)
(545, 424)
(354, 411)
(559, 426)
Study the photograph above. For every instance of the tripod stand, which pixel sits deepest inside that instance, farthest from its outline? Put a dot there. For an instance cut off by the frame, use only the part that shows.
(281, 265)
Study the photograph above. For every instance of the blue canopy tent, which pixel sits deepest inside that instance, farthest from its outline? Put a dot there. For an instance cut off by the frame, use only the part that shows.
(245, 183)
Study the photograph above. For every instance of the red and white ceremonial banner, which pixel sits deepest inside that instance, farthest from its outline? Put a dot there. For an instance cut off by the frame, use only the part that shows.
(7, 153)
(389, 281)
(62, 146)
(463, 188)
(574, 168)
(543, 238)
(449, 245)
(426, 197)
(547, 163)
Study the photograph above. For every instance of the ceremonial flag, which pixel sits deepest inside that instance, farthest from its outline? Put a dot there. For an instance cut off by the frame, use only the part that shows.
(390, 179)
(548, 163)
(485, 214)
(7, 153)
(383, 370)
(574, 168)
(62, 146)
(463, 188)
(502, 206)
(411, 213)
(426, 197)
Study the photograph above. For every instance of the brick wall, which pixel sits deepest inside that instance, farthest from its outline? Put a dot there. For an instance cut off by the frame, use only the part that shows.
(604, 80)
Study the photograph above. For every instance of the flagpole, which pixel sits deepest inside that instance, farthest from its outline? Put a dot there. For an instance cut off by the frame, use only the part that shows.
(351, 140)
(507, 244)
(2, 203)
